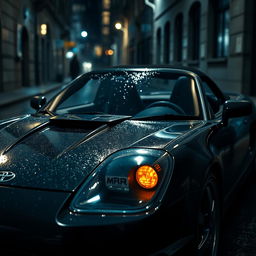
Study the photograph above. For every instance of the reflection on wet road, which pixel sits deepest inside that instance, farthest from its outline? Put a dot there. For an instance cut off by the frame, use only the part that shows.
(239, 230)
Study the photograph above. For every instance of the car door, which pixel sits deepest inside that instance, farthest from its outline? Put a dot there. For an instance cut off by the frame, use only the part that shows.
(230, 141)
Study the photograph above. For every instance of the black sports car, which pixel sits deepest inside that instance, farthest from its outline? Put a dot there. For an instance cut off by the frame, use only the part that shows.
(125, 161)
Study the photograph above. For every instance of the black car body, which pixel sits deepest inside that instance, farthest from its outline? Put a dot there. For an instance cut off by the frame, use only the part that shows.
(128, 160)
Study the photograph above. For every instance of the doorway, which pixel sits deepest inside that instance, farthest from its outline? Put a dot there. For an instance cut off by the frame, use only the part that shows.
(25, 58)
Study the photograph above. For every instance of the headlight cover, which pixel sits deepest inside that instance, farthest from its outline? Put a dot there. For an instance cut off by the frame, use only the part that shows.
(128, 181)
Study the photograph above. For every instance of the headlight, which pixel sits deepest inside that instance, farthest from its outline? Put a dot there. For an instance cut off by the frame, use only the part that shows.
(129, 181)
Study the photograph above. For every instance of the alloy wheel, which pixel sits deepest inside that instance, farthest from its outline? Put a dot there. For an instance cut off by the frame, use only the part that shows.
(209, 221)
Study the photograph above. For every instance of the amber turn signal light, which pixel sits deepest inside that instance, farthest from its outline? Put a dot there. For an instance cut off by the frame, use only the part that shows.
(147, 177)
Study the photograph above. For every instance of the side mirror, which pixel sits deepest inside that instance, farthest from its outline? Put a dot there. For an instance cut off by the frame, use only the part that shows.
(234, 108)
(37, 102)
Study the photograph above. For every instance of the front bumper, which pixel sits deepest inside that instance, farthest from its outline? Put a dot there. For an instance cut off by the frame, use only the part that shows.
(35, 222)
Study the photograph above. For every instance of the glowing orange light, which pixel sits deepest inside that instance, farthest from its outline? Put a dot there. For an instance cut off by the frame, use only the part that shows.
(109, 52)
(147, 177)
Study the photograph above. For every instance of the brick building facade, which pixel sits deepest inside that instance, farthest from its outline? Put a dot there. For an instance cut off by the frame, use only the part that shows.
(28, 56)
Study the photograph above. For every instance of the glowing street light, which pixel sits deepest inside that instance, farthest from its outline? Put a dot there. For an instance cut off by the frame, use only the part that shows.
(109, 52)
(118, 26)
(84, 34)
(43, 30)
(69, 55)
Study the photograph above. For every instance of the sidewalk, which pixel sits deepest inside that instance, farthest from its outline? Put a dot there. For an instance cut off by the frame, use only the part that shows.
(8, 98)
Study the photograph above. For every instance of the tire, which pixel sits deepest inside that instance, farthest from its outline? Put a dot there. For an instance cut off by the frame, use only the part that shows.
(209, 218)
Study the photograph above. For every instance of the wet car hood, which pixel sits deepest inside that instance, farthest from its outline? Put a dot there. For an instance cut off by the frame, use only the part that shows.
(59, 153)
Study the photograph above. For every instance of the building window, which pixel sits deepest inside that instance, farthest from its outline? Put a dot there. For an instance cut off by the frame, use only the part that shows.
(158, 46)
(167, 43)
(106, 4)
(105, 18)
(47, 60)
(194, 31)
(178, 37)
(105, 31)
(219, 18)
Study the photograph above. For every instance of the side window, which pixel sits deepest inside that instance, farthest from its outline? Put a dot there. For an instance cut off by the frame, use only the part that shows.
(213, 100)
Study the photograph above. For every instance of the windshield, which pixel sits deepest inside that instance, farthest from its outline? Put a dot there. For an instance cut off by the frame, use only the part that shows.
(139, 94)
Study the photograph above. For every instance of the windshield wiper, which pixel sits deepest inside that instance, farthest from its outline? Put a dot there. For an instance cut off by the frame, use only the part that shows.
(46, 111)
(165, 117)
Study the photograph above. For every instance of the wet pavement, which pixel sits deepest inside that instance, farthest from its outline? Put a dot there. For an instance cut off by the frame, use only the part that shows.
(239, 230)
(18, 102)
(21, 107)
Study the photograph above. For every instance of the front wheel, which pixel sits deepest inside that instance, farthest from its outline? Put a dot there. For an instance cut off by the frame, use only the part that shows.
(208, 228)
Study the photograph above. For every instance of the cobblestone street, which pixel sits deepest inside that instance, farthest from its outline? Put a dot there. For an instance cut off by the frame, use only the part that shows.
(239, 234)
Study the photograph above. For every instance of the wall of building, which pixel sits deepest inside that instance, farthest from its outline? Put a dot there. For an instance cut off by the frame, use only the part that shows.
(226, 70)
(28, 58)
(10, 67)
(225, 53)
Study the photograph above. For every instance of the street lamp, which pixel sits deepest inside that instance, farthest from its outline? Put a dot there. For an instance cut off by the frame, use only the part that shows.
(109, 52)
(43, 30)
(122, 41)
(84, 34)
(69, 55)
(118, 26)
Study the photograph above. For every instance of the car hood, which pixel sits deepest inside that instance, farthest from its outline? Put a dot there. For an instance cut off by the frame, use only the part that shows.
(59, 153)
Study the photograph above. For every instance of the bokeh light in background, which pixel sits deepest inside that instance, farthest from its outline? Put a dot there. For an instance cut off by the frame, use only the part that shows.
(69, 55)
(118, 26)
(87, 66)
(84, 34)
